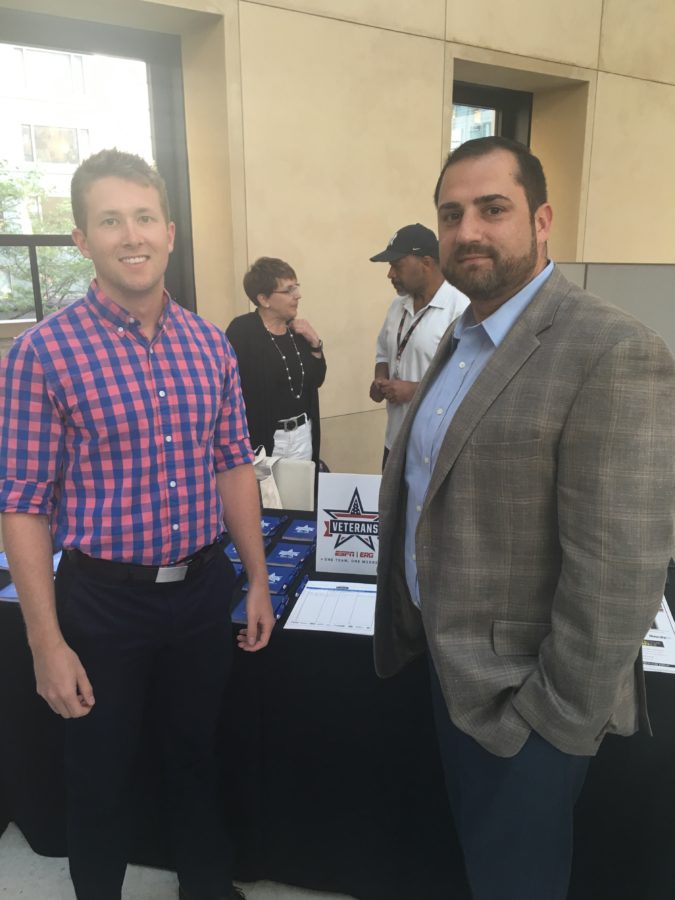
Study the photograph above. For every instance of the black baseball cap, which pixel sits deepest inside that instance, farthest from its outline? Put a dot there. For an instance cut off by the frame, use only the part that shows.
(412, 240)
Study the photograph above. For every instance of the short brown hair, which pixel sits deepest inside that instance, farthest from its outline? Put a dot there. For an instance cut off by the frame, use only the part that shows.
(116, 164)
(530, 173)
(263, 275)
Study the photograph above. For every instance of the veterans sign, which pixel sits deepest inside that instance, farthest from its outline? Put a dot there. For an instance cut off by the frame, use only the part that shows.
(347, 523)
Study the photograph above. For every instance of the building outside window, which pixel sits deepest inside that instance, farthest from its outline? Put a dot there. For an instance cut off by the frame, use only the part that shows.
(481, 110)
(469, 122)
(57, 108)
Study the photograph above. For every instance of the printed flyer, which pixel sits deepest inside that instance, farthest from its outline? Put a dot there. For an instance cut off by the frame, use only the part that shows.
(347, 523)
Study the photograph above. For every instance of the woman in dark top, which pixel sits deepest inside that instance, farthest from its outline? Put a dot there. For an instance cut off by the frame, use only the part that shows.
(281, 363)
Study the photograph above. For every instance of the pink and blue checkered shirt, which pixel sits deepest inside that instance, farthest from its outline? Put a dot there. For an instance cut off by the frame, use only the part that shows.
(117, 439)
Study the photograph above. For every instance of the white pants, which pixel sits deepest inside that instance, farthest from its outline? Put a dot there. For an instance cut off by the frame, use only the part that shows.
(296, 444)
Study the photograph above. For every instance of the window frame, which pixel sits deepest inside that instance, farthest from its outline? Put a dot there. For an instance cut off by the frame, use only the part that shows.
(513, 108)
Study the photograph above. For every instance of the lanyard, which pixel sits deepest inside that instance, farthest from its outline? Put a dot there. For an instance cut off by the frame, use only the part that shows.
(402, 344)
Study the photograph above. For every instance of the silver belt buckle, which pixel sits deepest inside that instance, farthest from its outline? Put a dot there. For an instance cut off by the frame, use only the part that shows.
(170, 573)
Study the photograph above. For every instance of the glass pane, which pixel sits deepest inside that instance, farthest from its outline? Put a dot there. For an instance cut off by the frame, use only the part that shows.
(470, 122)
(64, 276)
(48, 73)
(55, 145)
(103, 101)
(16, 287)
(27, 135)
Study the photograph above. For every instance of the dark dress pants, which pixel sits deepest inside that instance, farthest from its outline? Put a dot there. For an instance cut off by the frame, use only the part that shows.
(165, 647)
(513, 815)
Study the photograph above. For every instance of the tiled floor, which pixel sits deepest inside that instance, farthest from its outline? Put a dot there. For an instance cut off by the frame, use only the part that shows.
(26, 876)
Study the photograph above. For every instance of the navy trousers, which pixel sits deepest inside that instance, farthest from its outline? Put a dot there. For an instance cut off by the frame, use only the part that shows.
(513, 815)
(165, 647)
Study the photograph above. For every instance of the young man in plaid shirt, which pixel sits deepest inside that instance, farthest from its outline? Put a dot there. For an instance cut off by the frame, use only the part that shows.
(123, 440)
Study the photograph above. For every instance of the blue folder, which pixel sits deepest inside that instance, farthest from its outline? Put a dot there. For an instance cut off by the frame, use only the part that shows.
(289, 554)
(301, 530)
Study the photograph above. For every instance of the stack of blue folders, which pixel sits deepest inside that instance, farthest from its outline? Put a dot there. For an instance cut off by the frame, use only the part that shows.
(269, 525)
(284, 562)
(288, 554)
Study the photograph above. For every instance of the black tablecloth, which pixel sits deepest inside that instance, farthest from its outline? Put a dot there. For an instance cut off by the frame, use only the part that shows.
(332, 781)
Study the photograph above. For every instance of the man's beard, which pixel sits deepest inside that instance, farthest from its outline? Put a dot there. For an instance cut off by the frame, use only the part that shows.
(483, 283)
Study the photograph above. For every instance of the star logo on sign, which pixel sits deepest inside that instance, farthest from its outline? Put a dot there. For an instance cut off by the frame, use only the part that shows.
(353, 522)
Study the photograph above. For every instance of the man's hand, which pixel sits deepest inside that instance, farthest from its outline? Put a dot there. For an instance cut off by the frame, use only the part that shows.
(376, 390)
(59, 675)
(397, 391)
(241, 506)
(62, 681)
(259, 619)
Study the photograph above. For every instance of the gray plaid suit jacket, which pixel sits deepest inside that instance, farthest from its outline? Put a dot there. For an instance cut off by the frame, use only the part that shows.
(544, 539)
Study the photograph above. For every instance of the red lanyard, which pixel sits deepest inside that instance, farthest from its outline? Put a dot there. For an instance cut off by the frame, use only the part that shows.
(402, 344)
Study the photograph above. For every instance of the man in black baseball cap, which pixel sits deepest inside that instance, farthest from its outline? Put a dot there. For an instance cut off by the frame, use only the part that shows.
(418, 316)
(411, 240)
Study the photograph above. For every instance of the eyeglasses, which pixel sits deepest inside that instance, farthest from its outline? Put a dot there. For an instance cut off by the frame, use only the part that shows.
(292, 289)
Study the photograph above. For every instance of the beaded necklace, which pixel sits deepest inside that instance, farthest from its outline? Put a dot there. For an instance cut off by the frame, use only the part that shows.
(297, 395)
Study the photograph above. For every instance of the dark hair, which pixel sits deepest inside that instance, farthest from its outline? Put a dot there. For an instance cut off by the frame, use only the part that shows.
(262, 277)
(116, 164)
(530, 172)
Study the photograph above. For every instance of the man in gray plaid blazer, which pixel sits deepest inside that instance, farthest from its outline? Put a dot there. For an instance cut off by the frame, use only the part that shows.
(526, 525)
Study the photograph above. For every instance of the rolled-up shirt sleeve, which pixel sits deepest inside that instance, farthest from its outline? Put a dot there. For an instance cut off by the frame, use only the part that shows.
(232, 445)
(31, 434)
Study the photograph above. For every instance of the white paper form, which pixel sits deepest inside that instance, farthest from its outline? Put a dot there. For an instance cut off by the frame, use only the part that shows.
(339, 606)
(658, 647)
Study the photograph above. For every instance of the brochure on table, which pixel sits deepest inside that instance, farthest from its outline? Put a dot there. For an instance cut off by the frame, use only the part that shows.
(347, 524)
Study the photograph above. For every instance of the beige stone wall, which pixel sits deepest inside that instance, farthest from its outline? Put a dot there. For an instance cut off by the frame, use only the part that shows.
(316, 127)
(330, 132)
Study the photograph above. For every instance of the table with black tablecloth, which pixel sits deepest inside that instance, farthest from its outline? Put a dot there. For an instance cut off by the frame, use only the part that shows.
(332, 781)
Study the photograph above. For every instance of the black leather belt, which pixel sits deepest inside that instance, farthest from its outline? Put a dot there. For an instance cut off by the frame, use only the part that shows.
(292, 423)
(120, 571)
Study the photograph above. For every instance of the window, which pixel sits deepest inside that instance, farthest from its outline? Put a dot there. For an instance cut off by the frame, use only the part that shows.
(48, 72)
(50, 144)
(480, 111)
(469, 122)
(115, 87)
(37, 169)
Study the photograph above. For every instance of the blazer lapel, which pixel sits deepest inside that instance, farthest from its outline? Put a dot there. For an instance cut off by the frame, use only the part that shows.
(516, 348)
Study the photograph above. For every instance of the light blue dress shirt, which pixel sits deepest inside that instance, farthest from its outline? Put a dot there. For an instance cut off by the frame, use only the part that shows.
(475, 344)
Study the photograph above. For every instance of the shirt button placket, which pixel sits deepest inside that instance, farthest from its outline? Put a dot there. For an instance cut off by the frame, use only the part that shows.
(170, 459)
